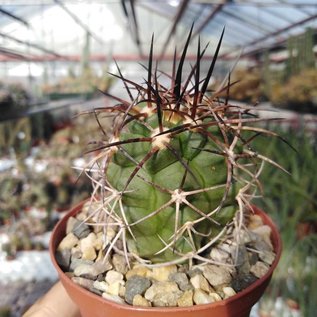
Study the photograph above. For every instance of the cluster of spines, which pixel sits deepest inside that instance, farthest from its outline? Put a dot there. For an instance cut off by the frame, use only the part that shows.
(190, 106)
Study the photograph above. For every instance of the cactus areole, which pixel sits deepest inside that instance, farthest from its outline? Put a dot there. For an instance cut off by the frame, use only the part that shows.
(179, 169)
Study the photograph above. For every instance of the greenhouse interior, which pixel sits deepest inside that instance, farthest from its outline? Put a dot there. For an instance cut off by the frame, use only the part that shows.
(70, 70)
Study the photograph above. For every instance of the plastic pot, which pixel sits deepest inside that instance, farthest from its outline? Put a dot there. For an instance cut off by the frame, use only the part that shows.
(92, 305)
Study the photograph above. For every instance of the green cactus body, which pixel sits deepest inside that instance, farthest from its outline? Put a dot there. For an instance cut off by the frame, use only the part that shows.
(179, 167)
(163, 175)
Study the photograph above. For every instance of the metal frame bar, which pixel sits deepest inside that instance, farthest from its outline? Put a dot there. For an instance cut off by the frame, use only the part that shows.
(80, 23)
(14, 54)
(209, 17)
(265, 3)
(246, 21)
(287, 28)
(30, 44)
(273, 34)
(177, 18)
(14, 17)
(131, 17)
(279, 16)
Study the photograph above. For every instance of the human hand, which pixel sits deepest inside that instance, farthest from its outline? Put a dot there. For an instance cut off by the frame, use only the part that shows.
(55, 303)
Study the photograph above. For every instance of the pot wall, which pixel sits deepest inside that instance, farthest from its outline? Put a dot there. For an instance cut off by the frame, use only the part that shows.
(92, 305)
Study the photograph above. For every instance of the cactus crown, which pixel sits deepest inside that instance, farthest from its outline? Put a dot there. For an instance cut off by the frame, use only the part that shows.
(178, 171)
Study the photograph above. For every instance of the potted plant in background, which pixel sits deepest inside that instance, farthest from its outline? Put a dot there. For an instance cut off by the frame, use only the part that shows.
(170, 222)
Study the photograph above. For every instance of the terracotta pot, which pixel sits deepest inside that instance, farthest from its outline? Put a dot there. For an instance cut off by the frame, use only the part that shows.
(92, 305)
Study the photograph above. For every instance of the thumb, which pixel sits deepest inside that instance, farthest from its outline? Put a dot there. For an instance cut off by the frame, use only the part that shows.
(54, 303)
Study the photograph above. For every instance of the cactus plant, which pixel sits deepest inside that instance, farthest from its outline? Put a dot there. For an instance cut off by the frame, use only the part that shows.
(179, 169)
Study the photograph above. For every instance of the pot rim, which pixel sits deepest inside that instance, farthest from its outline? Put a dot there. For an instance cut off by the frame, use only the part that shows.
(256, 210)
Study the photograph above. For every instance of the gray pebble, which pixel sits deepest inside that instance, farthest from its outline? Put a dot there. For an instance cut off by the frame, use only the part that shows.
(195, 271)
(77, 262)
(241, 259)
(136, 285)
(259, 269)
(267, 256)
(181, 280)
(80, 229)
(241, 282)
(63, 258)
(85, 283)
(217, 275)
(119, 263)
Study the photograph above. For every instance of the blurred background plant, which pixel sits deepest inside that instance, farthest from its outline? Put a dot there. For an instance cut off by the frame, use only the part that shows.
(40, 183)
(292, 201)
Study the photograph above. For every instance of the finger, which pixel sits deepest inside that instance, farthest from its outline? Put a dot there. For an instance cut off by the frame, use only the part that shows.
(54, 303)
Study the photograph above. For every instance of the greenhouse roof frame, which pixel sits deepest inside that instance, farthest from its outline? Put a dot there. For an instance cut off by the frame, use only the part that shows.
(251, 25)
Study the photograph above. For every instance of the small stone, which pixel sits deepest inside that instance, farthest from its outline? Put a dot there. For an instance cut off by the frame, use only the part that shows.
(139, 300)
(216, 275)
(259, 269)
(70, 224)
(260, 245)
(113, 277)
(244, 236)
(100, 278)
(76, 252)
(113, 298)
(75, 262)
(96, 291)
(219, 255)
(98, 229)
(114, 288)
(63, 258)
(163, 294)
(265, 233)
(89, 254)
(225, 247)
(186, 299)
(181, 279)
(102, 286)
(267, 256)
(122, 291)
(215, 296)
(194, 271)
(92, 270)
(88, 271)
(98, 244)
(201, 297)
(241, 282)
(241, 259)
(255, 221)
(87, 247)
(138, 270)
(100, 256)
(253, 257)
(135, 285)
(81, 217)
(184, 268)
(88, 241)
(120, 245)
(119, 263)
(80, 229)
(162, 274)
(68, 242)
(102, 266)
(228, 292)
(84, 282)
(110, 234)
(198, 281)
(89, 207)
